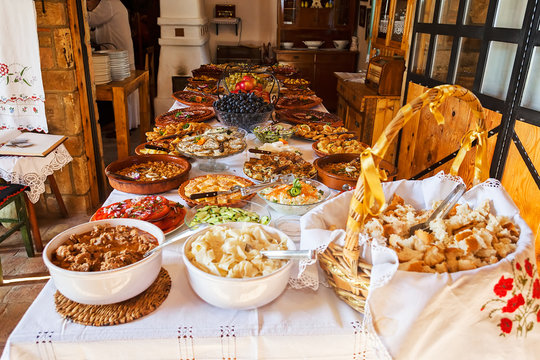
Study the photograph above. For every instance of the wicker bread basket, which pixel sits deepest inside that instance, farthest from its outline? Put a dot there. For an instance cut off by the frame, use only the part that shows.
(349, 274)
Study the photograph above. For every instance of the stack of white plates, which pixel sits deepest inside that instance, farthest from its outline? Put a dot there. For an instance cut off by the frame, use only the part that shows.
(119, 63)
(102, 68)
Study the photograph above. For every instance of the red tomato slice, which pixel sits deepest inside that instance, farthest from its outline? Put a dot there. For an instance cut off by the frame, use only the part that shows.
(174, 218)
(99, 215)
(112, 211)
(152, 208)
(170, 223)
(145, 207)
(159, 212)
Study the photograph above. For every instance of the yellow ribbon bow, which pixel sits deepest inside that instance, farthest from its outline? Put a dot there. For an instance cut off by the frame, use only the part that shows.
(481, 159)
(371, 178)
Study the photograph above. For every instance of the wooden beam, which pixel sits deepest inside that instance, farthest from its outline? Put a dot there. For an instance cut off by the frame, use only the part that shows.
(78, 44)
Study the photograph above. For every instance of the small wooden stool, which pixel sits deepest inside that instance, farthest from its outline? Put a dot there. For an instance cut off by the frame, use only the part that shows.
(25, 217)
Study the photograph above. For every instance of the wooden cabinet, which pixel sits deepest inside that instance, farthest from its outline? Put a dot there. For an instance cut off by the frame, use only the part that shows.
(318, 66)
(365, 112)
(300, 15)
(392, 25)
(298, 21)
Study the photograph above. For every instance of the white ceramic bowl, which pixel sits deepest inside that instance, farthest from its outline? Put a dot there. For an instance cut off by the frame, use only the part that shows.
(341, 44)
(104, 287)
(313, 44)
(287, 44)
(299, 210)
(241, 294)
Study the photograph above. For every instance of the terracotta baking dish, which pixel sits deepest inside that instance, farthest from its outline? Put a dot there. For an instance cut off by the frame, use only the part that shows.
(337, 181)
(154, 187)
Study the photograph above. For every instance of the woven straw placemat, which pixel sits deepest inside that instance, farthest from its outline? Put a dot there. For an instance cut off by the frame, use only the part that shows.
(119, 313)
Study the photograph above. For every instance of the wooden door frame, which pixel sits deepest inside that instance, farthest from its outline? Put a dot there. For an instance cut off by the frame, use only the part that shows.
(83, 69)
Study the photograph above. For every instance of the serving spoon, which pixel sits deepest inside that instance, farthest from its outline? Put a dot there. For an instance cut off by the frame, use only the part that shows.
(270, 254)
(289, 254)
(181, 236)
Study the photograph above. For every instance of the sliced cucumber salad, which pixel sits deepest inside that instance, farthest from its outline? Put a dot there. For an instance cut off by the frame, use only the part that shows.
(214, 214)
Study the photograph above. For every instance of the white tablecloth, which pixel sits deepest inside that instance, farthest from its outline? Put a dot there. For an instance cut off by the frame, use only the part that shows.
(300, 324)
(33, 170)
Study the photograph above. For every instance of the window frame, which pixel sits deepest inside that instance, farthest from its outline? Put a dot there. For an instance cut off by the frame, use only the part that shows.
(526, 38)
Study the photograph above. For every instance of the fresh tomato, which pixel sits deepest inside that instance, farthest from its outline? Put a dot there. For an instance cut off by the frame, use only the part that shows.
(112, 211)
(158, 212)
(149, 208)
(250, 81)
(174, 218)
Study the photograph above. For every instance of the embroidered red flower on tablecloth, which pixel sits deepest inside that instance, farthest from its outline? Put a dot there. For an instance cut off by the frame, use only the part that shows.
(528, 267)
(3, 69)
(506, 325)
(513, 304)
(536, 289)
(503, 286)
(516, 295)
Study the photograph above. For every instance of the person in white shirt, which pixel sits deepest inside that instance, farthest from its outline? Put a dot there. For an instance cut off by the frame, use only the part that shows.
(111, 22)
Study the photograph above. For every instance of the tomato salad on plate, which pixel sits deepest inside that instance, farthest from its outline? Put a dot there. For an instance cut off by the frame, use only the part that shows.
(166, 214)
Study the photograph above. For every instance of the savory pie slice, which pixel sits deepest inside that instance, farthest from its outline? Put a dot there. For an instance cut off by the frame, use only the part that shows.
(214, 182)
(279, 163)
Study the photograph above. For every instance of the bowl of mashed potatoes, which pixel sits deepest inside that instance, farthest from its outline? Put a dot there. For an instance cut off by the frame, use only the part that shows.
(226, 269)
(102, 262)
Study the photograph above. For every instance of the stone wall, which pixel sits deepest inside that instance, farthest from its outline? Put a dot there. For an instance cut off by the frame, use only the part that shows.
(62, 105)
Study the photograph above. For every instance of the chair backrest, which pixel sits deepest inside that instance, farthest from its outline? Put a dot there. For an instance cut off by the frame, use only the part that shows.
(149, 64)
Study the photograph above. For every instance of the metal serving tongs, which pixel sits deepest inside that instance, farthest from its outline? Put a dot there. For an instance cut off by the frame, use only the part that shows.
(248, 190)
(442, 210)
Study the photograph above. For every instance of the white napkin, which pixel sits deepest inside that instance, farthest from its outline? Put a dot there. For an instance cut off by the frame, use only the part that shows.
(489, 312)
(21, 87)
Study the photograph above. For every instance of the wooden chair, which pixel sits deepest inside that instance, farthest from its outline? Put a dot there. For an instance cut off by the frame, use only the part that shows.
(25, 219)
(149, 64)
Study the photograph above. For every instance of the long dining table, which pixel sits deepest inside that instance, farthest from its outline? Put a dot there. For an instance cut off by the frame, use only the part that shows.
(299, 324)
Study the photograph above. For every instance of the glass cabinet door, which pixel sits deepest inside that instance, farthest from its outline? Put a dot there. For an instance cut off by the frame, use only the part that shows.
(342, 11)
(384, 19)
(289, 9)
(399, 20)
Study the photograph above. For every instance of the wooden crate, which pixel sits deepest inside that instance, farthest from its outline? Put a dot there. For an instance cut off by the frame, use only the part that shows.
(366, 113)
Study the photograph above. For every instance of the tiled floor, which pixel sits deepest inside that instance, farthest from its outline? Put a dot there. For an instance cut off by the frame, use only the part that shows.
(15, 299)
